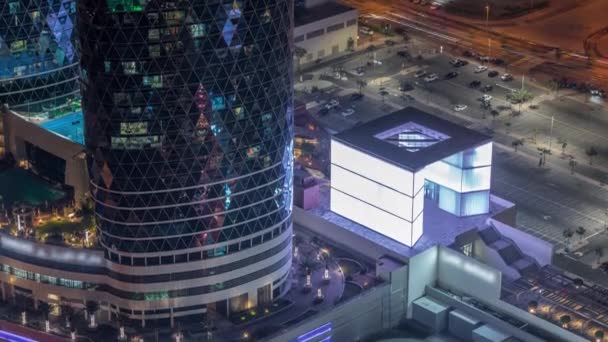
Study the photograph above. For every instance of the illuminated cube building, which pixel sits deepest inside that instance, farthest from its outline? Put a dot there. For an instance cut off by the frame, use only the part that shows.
(384, 171)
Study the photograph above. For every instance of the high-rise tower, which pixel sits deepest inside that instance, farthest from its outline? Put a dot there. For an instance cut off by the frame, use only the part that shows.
(38, 58)
(188, 121)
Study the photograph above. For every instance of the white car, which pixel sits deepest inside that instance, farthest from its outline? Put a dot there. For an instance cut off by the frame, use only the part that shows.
(366, 30)
(430, 78)
(419, 73)
(480, 69)
(460, 107)
(506, 77)
(332, 104)
(348, 112)
(486, 98)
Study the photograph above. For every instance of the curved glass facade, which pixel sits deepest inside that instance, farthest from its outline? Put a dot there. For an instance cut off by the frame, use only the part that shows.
(38, 57)
(189, 124)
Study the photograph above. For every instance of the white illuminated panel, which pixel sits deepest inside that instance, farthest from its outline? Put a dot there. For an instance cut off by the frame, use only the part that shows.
(373, 218)
(417, 229)
(418, 204)
(372, 193)
(479, 156)
(419, 178)
(476, 179)
(372, 168)
(445, 174)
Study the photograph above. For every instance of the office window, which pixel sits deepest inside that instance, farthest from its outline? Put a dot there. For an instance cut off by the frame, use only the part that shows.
(129, 68)
(351, 22)
(335, 27)
(298, 39)
(316, 33)
(197, 30)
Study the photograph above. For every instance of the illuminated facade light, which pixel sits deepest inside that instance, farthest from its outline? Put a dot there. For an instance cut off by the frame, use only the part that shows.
(382, 171)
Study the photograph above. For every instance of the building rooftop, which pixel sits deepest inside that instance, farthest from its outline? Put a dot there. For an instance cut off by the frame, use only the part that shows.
(411, 139)
(326, 10)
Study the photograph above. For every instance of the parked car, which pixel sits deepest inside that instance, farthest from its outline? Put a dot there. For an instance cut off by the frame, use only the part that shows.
(497, 61)
(486, 98)
(348, 112)
(493, 73)
(474, 84)
(487, 88)
(455, 61)
(420, 73)
(460, 107)
(451, 75)
(480, 69)
(389, 42)
(435, 6)
(360, 71)
(468, 53)
(409, 98)
(365, 30)
(506, 77)
(403, 54)
(324, 111)
(431, 78)
(332, 104)
(405, 86)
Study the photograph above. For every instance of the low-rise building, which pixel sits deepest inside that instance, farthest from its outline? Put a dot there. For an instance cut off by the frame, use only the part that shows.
(323, 30)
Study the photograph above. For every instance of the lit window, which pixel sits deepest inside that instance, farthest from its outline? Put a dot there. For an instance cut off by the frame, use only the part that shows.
(153, 35)
(133, 128)
(155, 81)
(253, 151)
(129, 68)
(154, 50)
(107, 66)
(197, 30)
(217, 103)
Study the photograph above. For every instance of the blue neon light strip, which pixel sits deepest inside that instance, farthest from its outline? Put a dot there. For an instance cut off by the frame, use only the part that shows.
(309, 336)
(327, 339)
(10, 337)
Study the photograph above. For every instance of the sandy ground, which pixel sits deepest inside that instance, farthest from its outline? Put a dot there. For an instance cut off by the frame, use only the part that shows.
(567, 29)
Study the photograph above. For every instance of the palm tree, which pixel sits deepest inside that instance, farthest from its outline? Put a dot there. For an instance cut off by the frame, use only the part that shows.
(361, 84)
(300, 53)
(517, 143)
(91, 308)
(67, 311)
(591, 152)
(44, 308)
(580, 231)
(520, 96)
(599, 335)
(565, 320)
(350, 44)
(599, 253)
(567, 233)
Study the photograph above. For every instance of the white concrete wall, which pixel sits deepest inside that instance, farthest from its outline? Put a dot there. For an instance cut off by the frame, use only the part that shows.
(326, 42)
(460, 273)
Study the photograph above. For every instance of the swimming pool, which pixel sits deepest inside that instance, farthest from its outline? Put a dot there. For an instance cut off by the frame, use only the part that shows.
(17, 185)
(70, 126)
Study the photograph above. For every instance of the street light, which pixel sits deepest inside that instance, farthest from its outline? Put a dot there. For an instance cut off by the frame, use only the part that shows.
(488, 30)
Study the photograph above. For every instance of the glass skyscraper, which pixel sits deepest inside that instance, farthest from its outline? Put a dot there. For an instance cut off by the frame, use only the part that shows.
(38, 56)
(189, 125)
